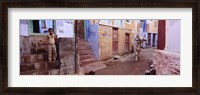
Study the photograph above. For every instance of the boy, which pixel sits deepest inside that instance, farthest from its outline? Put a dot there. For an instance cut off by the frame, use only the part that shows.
(51, 45)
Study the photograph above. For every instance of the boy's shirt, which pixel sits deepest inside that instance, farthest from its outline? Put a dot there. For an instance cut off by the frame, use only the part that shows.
(52, 38)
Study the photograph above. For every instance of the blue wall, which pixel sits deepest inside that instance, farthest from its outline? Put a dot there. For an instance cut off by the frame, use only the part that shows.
(87, 33)
(92, 37)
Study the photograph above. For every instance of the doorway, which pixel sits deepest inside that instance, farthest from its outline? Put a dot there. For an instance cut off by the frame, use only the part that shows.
(115, 41)
(127, 42)
(79, 25)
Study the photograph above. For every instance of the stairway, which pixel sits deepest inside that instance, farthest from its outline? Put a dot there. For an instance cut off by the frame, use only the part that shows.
(87, 60)
(36, 63)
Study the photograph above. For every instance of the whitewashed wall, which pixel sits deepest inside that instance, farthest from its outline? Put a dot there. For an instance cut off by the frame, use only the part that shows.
(65, 28)
(173, 35)
(23, 28)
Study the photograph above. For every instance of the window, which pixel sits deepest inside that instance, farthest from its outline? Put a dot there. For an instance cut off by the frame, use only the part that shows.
(118, 23)
(128, 21)
(41, 26)
(36, 28)
(108, 22)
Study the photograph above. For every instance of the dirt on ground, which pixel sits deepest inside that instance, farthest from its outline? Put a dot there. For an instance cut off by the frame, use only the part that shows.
(126, 65)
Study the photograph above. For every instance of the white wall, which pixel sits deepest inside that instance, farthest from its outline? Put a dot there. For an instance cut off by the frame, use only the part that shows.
(23, 29)
(65, 28)
(173, 35)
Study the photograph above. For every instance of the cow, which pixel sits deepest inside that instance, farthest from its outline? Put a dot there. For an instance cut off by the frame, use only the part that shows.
(137, 41)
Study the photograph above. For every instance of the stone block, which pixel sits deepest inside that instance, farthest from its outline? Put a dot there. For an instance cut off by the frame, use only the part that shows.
(82, 57)
(85, 52)
(32, 66)
(66, 45)
(92, 67)
(88, 61)
(26, 67)
(34, 57)
(67, 70)
(84, 47)
(68, 60)
(54, 72)
(36, 72)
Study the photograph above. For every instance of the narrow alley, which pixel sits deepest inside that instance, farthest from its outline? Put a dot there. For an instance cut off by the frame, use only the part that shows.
(99, 47)
(127, 65)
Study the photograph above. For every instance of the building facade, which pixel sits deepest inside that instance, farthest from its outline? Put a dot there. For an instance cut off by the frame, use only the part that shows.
(34, 48)
(152, 30)
(110, 37)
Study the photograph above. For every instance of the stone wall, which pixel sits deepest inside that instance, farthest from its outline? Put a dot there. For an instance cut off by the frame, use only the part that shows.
(166, 63)
(121, 41)
(105, 42)
(67, 55)
(24, 45)
(65, 49)
(28, 43)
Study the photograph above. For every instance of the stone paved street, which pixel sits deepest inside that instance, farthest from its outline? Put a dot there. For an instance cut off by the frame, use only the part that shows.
(127, 65)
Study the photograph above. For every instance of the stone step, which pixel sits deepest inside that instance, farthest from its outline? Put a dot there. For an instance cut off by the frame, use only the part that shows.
(36, 72)
(96, 66)
(81, 39)
(83, 44)
(84, 48)
(42, 72)
(38, 66)
(39, 49)
(26, 67)
(35, 57)
(85, 52)
(88, 61)
(82, 57)
(32, 66)
(54, 65)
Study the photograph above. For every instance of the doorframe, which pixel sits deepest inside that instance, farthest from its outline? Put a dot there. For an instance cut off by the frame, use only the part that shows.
(115, 28)
(128, 43)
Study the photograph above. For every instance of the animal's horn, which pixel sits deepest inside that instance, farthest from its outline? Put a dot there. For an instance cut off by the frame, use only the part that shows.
(143, 36)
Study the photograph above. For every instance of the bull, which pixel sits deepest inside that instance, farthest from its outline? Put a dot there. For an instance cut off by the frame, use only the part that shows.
(137, 42)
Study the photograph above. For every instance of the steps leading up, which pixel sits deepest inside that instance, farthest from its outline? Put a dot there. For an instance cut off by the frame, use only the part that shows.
(36, 63)
(87, 60)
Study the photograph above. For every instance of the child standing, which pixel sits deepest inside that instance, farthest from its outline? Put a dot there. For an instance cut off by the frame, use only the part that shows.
(51, 45)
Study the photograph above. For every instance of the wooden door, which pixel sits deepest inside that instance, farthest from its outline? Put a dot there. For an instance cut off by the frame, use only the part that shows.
(115, 41)
(127, 42)
(161, 34)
